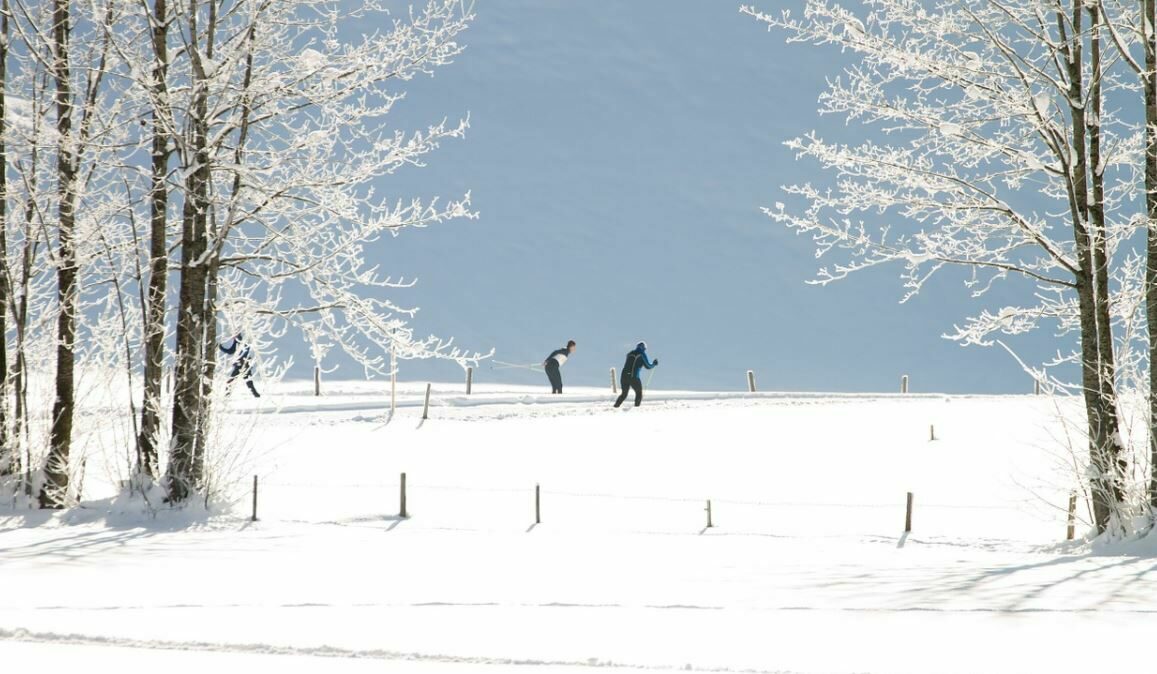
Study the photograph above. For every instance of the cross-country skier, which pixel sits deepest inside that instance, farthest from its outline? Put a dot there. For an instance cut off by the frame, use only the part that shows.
(636, 361)
(243, 364)
(555, 361)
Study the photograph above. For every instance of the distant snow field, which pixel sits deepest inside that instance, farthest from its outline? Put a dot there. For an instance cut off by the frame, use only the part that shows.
(806, 568)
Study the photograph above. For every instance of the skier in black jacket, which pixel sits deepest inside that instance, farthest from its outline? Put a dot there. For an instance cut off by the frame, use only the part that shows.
(243, 365)
(555, 361)
(636, 361)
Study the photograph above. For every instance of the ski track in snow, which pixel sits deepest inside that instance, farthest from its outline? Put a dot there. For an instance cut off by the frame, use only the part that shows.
(25, 636)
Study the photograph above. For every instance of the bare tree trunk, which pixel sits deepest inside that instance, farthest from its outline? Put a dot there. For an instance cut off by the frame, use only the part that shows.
(208, 370)
(20, 422)
(1107, 368)
(31, 247)
(1097, 362)
(154, 332)
(189, 387)
(218, 235)
(54, 492)
(1149, 79)
(20, 366)
(213, 269)
(9, 454)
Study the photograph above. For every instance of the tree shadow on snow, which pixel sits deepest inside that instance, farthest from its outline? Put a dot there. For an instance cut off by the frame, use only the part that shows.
(1073, 584)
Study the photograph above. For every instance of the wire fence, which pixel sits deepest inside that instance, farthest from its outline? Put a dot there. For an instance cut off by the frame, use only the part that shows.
(388, 503)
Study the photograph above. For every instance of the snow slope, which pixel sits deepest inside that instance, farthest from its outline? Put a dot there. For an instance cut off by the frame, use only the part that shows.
(807, 568)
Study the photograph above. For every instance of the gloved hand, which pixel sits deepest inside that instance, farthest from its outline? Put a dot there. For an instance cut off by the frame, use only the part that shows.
(655, 362)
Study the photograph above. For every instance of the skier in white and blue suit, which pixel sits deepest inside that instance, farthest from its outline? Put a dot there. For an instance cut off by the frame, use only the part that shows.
(629, 379)
(555, 361)
(243, 364)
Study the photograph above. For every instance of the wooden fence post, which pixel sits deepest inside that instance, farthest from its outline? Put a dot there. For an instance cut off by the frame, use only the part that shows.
(402, 512)
(904, 384)
(537, 505)
(908, 515)
(1072, 528)
(253, 518)
(426, 407)
(710, 524)
(931, 433)
(469, 379)
(316, 380)
(614, 383)
(751, 381)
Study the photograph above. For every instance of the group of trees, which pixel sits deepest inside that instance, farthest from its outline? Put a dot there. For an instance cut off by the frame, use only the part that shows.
(1016, 139)
(171, 166)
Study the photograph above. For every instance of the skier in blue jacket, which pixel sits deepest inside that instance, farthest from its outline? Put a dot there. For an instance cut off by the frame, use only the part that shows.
(636, 360)
(243, 364)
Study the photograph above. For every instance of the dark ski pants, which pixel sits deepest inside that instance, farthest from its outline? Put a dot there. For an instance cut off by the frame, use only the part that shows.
(247, 368)
(554, 376)
(628, 383)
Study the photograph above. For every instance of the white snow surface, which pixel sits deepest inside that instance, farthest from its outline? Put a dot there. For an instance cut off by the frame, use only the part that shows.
(807, 568)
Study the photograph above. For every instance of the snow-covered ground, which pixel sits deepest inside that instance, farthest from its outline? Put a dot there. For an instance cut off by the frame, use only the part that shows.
(806, 568)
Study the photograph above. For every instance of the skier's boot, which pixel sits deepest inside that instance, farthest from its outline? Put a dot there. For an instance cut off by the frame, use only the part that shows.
(252, 388)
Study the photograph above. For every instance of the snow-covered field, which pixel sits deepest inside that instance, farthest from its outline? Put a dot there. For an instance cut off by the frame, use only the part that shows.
(806, 568)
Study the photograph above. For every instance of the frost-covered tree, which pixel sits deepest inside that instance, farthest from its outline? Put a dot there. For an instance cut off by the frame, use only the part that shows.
(154, 300)
(991, 150)
(9, 456)
(1146, 28)
(277, 120)
(76, 72)
(1133, 28)
(59, 125)
(232, 149)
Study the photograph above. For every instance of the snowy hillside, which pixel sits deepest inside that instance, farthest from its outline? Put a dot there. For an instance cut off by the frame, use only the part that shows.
(807, 550)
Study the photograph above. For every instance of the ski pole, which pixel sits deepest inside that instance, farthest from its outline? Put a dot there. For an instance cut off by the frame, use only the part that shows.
(504, 366)
(650, 375)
